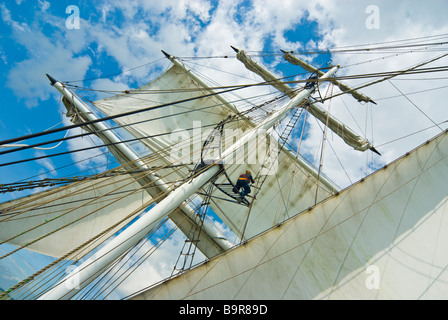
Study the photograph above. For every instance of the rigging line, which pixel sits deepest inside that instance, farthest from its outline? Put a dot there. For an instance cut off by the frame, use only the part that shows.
(111, 128)
(118, 73)
(364, 134)
(216, 69)
(312, 239)
(158, 245)
(111, 171)
(85, 123)
(257, 187)
(125, 141)
(144, 258)
(236, 87)
(154, 248)
(335, 154)
(40, 205)
(49, 180)
(402, 72)
(194, 234)
(124, 114)
(63, 214)
(423, 165)
(70, 253)
(215, 83)
(415, 105)
(93, 186)
(330, 87)
(183, 182)
(117, 264)
(65, 166)
(158, 91)
(379, 43)
(95, 147)
(443, 35)
(372, 47)
(413, 133)
(47, 195)
(372, 60)
(37, 148)
(27, 291)
(83, 134)
(326, 50)
(138, 263)
(388, 51)
(97, 236)
(18, 186)
(28, 146)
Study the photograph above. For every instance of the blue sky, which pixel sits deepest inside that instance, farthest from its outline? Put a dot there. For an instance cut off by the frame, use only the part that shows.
(115, 36)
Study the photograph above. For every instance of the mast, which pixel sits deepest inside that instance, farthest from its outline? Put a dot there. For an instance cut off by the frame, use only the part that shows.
(86, 272)
(357, 95)
(268, 76)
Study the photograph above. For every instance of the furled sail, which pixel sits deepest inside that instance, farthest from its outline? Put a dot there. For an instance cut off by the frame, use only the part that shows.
(347, 134)
(381, 238)
(56, 221)
(176, 131)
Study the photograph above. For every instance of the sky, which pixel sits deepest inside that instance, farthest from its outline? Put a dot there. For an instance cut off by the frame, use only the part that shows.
(116, 45)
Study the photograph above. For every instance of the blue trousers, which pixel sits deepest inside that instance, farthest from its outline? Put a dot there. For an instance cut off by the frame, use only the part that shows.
(243, 184)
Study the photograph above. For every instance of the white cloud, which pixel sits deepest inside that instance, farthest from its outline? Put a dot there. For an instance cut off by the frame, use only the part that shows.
(55, 56)
(45, 162)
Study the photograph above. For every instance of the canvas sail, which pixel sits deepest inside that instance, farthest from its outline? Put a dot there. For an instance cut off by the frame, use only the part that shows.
(343, 131)
(63, 218)
(176, 132)
(381, 238)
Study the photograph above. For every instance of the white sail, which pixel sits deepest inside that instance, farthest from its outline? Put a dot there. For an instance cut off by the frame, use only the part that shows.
(65, 217)
(168, 128)
(381, 238)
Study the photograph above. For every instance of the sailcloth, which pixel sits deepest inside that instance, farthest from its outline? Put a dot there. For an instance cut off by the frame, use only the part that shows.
(56, 221)
(381, 238)
(176, 132)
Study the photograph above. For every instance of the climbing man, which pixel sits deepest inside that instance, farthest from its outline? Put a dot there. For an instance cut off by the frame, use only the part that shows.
(243, 183)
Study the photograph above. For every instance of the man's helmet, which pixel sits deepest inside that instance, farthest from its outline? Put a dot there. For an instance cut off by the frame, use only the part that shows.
(248, 172)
